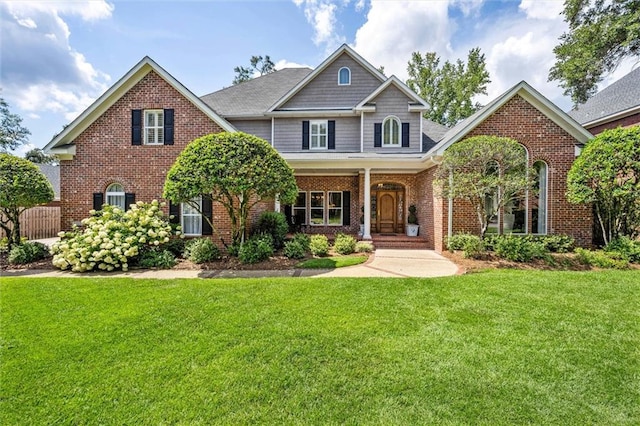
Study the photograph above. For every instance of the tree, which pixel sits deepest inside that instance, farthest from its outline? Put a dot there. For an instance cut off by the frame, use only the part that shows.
(38, 156)
(607, 174)
(449, 90)
(12, 134)
(258, 65)
(237, 170)
(487, 171)
(601, 34)
(22, 186)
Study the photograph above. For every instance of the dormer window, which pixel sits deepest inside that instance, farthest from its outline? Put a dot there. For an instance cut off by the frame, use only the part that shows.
(344, 76)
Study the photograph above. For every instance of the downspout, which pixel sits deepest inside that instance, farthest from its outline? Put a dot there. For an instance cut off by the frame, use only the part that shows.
(450, 210)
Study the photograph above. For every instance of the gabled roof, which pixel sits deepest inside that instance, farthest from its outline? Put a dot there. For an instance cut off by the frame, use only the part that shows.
(335, 55)
(619, 98)
(420, 104)
(62, 142)
(528, 93)
(254, 97)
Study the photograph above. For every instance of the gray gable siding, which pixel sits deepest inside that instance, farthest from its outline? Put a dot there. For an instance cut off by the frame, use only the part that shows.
(392, 102)
(288, 134)
(259, 128)
(324, 92)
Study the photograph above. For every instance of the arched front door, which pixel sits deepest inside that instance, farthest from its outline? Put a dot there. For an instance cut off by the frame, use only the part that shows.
(387, 208)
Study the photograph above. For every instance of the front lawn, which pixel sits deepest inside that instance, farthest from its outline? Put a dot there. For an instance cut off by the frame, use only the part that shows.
(500, 347)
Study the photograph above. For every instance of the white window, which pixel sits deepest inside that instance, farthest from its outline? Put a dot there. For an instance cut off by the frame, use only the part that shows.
(539, 200)
(191, 219)
(335, 208)
(300, 209)
(154, 127)
(318, 134)
(316, 208)
(344, 76)
(115, 196)
(391, 132)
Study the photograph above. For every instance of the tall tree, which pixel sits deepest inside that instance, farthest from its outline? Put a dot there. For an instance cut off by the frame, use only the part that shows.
(258, 65)
(12, 134)
(449, 89)
(601, 33)
(22, 186)
(38, 156)
(237, 170)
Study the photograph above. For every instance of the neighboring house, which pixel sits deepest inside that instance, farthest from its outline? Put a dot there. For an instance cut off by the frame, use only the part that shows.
(617, 105)
(52, 173)
(355, 139)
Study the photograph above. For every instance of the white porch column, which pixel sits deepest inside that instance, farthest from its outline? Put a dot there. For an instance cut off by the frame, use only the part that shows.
(276, 203)
(367, 204)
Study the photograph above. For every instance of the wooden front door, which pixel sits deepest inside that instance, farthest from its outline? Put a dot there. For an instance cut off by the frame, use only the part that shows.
(386, 222)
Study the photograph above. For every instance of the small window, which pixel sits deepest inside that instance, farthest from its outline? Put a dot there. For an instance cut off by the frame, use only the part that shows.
(300, 209)
(391, 132)
(318, 134)
(335, 208)
(191, 220)
(115, 196)
(344, 76)
(154, 127)
(317, 208)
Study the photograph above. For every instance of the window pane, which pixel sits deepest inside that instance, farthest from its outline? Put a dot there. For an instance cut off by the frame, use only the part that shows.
(116, 200)
(335, 216)
(160, 119)
(192, 225)
(301, 201)
(160, 133)
(317, 217)
(151, 119)
(314, 141)
(317, 199)
(335, 199)
(322, 142)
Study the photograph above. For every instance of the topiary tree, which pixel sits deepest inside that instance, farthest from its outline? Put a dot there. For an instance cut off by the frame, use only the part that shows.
(237, 169)
(607, 174)
(22, 186)
(483, 168)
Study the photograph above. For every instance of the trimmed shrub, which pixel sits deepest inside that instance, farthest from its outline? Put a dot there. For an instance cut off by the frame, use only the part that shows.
(519, 249)
(201, 250)
(303, 239)
(163, 259)
(344, 244)
(27, 252)
(256, 249)
(176, 246)
(319, 245)
(628, 248)
(294, 250)
(556, 243)
(364, 247)
(274, 224)
(471, 245)
(601, 259)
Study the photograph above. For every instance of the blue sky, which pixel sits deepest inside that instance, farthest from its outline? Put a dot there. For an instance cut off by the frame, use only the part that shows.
(58, 57)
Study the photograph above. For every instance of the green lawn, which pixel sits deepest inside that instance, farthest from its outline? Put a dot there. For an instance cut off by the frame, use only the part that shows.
(332, 262)
(504, 347)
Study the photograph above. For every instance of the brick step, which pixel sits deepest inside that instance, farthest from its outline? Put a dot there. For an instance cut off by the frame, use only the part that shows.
(398, 241)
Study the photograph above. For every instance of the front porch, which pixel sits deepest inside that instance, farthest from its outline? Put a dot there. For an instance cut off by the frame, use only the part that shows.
(398, 241)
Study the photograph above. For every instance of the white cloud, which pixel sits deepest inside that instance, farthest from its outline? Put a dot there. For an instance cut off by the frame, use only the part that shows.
(321, 14)
(283, 63)
(542, 9)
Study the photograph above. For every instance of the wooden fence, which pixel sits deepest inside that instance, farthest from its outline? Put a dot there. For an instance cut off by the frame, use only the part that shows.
(39, 222)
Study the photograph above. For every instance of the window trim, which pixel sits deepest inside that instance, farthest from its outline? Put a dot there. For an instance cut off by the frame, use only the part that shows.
(159, 129)
(318, 135)
(398, 143)
(341, 208)
(545, 203)
(119, 194)
(348, 83)
(196, 214)
(311, 208)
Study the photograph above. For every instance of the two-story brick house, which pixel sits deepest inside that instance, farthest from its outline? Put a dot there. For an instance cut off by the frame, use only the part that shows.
(355, 138)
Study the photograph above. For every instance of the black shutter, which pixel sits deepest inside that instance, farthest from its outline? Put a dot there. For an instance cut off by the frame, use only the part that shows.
(136, 127)
(405, 135)
(168, 127)
(287, 214)
(207, 212)
(346, 208)
(331, 134)
(305, 134)
(98, 200)
(174, 210)
(129, 198)
(377, 135)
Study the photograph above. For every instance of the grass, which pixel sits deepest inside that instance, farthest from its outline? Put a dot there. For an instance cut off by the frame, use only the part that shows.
(503, 347)
(332, 262)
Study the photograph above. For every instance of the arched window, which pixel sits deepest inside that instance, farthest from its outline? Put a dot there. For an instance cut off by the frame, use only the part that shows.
(115, 195)
(539, 199)
(391, 131)
(344, 76)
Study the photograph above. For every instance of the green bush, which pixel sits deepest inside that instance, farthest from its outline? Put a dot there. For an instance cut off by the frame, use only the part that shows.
(176, 246)
(556, 243)
(601, 259)
(294, 250)
(319, 245)
(201, 250)
(27, 252)
(274, 224)
(256, 249)
(364, 247)
(627, 247)
(157, 258)
(519, 249)
(303, 239)
(344, 244)
(489, 241)
(471, 245)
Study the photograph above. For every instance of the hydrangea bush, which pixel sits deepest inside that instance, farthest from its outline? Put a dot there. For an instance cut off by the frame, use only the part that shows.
(111, 238)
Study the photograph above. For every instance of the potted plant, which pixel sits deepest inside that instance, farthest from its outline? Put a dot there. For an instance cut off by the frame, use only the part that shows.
(412, 222)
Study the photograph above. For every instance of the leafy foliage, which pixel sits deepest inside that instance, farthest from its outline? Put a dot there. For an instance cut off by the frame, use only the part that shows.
(256, 249)
(157, 258)
(259, 65)
(303, 239)
(628, 248)
(294, 249)
(551, 243)
(601, 259)
(275, 224)
(449, 89)
(27, 252)
(600, 35)
(12, 134)
(237, 169)
(364, 247)
(22, 186)
(519, 249)
(471, 245)
(319, 245)
(344, 244)
(607, 174)
(201, 250)
(38, 156)
(483, 167)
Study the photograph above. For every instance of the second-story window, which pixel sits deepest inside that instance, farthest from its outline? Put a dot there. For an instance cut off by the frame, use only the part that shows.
(154, 127)
(318, 134)
(391, 132)
(344, 76)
